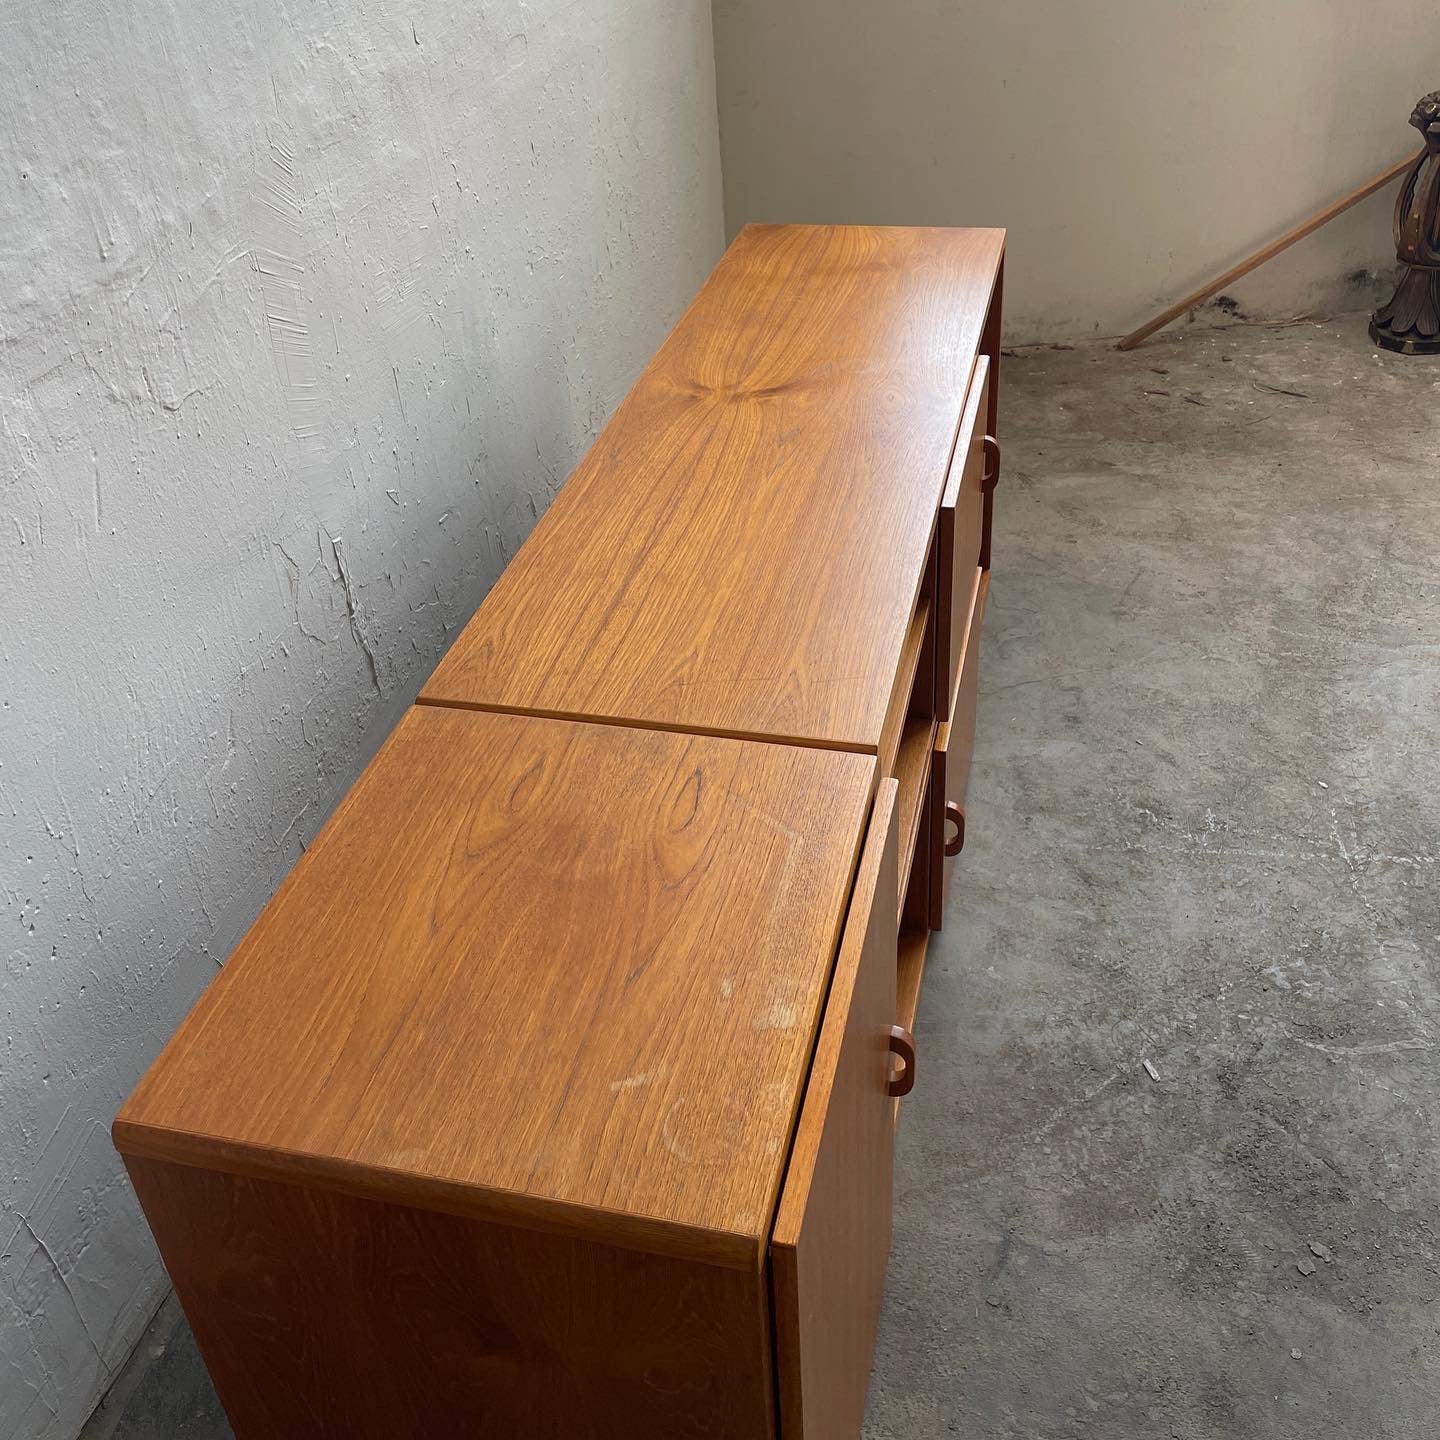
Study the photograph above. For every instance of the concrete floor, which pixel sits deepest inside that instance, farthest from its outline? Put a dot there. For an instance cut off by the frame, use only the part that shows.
(1203, 830)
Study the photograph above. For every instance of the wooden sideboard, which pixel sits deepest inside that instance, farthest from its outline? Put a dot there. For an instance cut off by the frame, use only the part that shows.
(554, 1092)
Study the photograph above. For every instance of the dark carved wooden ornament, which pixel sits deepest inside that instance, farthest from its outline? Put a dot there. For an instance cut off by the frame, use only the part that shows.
(1411, 321)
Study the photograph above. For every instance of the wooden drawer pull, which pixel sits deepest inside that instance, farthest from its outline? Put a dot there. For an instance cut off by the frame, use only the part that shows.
(902, 1043)
(992, 463)
(956, 816)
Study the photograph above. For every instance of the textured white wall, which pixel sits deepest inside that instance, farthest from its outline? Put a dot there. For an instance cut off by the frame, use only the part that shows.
(1133, 148)
(305, 313)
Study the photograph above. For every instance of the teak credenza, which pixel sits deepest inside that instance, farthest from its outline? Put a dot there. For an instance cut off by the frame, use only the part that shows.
(554, 1092)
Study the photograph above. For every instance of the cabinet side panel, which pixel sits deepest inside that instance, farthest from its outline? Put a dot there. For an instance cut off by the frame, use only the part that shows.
(327, 1317)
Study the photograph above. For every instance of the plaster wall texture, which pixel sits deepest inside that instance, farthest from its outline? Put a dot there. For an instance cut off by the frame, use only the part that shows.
(1133, 149)
(305, 314)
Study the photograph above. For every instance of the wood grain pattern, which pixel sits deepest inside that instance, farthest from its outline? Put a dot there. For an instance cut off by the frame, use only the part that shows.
(741, 550)
(922, 686)
(832, 1232)
(915, 891)
(954, 747)
(912, 771)
(910, 971)
(959, 535)
(903, 700)
(323, 1316)
(560, 974)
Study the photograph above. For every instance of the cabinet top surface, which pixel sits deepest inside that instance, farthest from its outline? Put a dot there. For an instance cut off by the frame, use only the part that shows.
(740, 551)
(563, 974)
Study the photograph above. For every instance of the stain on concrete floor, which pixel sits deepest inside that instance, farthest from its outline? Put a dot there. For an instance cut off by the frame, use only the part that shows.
(1204, 830)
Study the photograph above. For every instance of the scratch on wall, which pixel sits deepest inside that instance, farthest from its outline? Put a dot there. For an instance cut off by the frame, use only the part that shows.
(280, 235)
(42, 1249)
(351, 609)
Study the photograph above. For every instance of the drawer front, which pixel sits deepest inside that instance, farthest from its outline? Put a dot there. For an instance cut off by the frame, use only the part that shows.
(950, 765)
(962, 515)
(831, 1240)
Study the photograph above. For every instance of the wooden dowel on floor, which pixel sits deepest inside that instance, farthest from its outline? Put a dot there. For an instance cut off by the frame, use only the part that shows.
(1267, 252)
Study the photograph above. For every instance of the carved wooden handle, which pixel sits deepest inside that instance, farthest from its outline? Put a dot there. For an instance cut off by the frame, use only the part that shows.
(902, 1043)
(956, 816)
(992, 463)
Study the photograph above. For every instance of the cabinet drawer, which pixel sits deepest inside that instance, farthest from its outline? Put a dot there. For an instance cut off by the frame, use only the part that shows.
(962, 514)
(831, 1240)
(950, 765)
